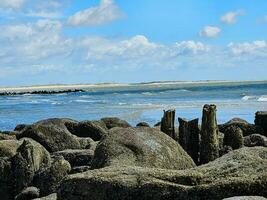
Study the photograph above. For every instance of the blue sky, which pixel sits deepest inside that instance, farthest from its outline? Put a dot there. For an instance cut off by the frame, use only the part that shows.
(91, 41)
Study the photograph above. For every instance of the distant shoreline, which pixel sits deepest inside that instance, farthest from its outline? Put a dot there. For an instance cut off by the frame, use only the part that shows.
(68, 88)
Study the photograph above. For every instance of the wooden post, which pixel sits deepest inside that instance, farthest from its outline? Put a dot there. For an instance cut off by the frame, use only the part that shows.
(167, 123)
(189, 137)
(209, 145)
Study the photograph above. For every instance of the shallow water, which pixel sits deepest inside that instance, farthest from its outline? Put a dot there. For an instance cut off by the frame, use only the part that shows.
(136, 103)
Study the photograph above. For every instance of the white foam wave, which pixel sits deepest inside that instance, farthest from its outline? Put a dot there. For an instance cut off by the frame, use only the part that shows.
(246, 98)
(147, 93)
(263, 98)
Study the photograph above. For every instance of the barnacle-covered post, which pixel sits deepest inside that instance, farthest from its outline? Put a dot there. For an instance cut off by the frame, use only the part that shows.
(167, 123)
(209, 145)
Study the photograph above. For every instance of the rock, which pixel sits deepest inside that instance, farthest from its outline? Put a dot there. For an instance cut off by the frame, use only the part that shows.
(7, 137)
(87, 143)
(224, 150)
(20, 127)
(30, 158)
(157, 124)
(112, 122)
(142, 124)
(6, 192)
(209, 145)
(142, 146)
(49, 179)
(93, 129)
(22, 173)
(49, 197)
(52, 134)
(261, 120)
(240, 172)
(79, 169)
(168, 123)
(246, 198)
(233, 137)
(255, 140)
(246, 127)
(77, 157)
(28, 194)
(8, 148)
(189, 137)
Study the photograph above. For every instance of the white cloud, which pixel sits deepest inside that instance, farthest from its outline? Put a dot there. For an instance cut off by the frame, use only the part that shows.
(28, 43)
(186, 47)
(11, 3)
(258, 47)
(231, 17)
(106, 12)
(210, 31)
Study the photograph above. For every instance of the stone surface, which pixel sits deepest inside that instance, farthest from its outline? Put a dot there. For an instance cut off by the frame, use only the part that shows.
(142, 146)
(255, 140)
(246, 127)
(52, 134)
(93, 129)
(7, 137)
(30, 158)
(77, 157)
(233, 137)
(246, 198)
(28, 194)
(112, 122)
(6, 192)
(49, 179)
(8, 148)
(239, 173)
(49, 197)
(142, 124)
(261, 120)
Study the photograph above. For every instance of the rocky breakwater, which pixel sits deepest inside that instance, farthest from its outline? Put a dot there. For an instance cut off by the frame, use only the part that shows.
(109, 159)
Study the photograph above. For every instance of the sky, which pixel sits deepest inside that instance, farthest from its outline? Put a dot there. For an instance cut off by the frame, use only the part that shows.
(124, 41)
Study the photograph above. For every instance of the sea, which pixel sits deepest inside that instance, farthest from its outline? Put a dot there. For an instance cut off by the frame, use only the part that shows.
(138, 102)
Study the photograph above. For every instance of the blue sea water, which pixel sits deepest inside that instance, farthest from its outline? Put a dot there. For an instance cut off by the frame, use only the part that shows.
(140, 102)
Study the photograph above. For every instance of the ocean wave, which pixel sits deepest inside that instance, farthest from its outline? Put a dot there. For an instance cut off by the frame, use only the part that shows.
(263, 98)
(246, 98)
(84, 101)
(147, 93)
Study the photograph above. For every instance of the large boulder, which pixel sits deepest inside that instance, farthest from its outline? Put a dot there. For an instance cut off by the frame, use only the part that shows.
(49, 179)
(233, 137)
(246, 127)
(246, 198)
(77, 157)
(8, 148)
(28, 194)
(29, 159)
(93, 129)
(142, 146)
(112, 122)
(6, 192)
(52, 134)
(241, 172)
(255, 140)
(4, 136)
(261, 120)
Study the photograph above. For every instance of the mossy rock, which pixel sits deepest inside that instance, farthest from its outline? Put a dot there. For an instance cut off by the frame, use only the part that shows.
(93, 129)
(246, 127)
(142, 146)
(77, 157)
(52, 134)
(255, 140)
(241, 172)
(112, 122)
(8, 148)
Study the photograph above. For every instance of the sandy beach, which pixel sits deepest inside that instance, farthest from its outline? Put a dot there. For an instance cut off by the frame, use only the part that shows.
(72, 87)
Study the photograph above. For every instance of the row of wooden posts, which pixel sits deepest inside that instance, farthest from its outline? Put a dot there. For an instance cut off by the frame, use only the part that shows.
(202, 144)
